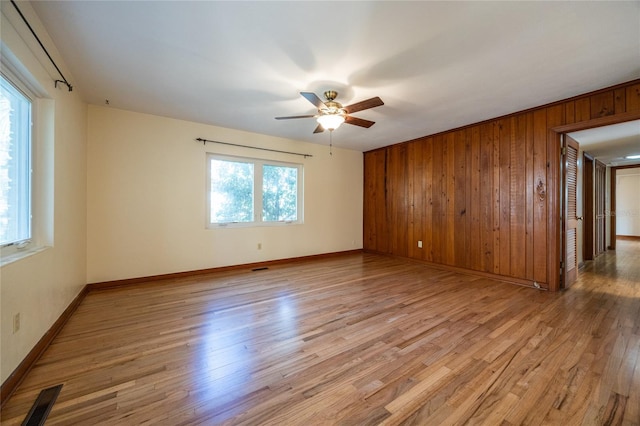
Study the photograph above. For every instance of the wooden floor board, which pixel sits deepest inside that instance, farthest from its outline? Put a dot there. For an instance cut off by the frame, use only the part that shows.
(359, 340)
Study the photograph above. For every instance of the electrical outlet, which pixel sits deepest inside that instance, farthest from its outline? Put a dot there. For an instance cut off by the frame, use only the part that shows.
(419, 243)
(16, 323)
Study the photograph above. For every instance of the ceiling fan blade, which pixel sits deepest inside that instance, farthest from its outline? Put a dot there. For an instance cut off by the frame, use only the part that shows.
(319, 129)
(313, 98)
(294, 116)
(359, 122)
(359, 106)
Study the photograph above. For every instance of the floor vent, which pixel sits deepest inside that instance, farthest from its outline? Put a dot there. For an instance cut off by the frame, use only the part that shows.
(260, 269)
(41, 408)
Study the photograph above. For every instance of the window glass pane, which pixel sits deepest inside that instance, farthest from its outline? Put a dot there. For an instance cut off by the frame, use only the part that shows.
(279, 193)
(15, 165)
(231, 191)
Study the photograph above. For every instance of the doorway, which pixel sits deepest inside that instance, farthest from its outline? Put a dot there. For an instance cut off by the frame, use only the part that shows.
(629, 226)
(600, 211)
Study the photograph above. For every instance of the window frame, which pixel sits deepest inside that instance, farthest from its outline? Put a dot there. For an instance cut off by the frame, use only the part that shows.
(258, 177)
(42, 160)
(13, 248)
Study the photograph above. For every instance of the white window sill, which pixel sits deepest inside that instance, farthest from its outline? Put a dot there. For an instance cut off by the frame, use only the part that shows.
(22, 254)
(230, 225)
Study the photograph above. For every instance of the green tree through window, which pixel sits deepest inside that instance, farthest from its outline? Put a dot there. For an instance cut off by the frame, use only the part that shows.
(231, 191)
(279, 193)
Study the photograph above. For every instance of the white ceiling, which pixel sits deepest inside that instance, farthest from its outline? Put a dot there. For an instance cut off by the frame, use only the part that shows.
(436, 65)
(610, 144)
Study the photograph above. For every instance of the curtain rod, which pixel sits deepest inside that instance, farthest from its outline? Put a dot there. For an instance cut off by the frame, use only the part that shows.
(204, 141)
(64, 80)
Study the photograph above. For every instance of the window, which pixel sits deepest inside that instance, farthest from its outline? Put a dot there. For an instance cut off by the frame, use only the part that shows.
(15, 166)
(246, 191)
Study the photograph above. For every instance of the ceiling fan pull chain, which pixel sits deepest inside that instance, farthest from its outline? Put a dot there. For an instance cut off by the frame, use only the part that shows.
(331, 142)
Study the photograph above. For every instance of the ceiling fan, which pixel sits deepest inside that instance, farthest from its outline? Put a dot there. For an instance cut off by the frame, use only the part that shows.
(332, 114)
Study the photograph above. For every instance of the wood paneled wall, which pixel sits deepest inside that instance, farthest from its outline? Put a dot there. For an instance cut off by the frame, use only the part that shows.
(485, 197)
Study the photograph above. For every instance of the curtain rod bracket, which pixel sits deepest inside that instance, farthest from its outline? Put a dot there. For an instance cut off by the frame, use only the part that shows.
(204, 142)
(70, 87)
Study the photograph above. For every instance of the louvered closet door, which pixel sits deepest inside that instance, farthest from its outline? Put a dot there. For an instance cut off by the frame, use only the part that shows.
(571, 220)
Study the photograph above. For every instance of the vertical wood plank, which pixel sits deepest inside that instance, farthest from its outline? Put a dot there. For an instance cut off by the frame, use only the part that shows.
(383, 213)
(570, 112)
(392, 184)
(540, 196)
(530, 195)
(436, 198)
(620, 101)
(475, 207)
(401, 202)
(486, 195)
(468, 196)
(460, 202)
(582, 109)
(554, 118)
(411, 200)
(374, 221)
(419, 200)
(602, 104)
(427, 243)
(517, 197)
(495, 196)
(505, 197)
(383, 226)
(632, 98)
(368, 202)
(451, 232)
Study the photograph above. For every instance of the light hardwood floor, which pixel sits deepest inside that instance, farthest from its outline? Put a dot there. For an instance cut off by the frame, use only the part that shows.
(362, 339)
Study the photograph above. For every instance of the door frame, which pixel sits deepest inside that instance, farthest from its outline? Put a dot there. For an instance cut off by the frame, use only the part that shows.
(588, 171)
(600, 201)
(556, 231)
(612, 197)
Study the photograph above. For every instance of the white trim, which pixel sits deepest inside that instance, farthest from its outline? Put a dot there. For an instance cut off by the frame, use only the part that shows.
(21, 254)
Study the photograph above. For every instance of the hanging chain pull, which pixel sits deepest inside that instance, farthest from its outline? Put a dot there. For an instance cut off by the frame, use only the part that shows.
(331, 142)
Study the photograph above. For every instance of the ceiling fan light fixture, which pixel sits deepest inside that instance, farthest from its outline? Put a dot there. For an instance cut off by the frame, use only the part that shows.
(332, 114)
(331, 121)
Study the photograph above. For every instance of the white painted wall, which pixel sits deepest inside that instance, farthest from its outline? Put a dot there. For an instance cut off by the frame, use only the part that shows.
(41, 286)
(146, 198)
(628, 202)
